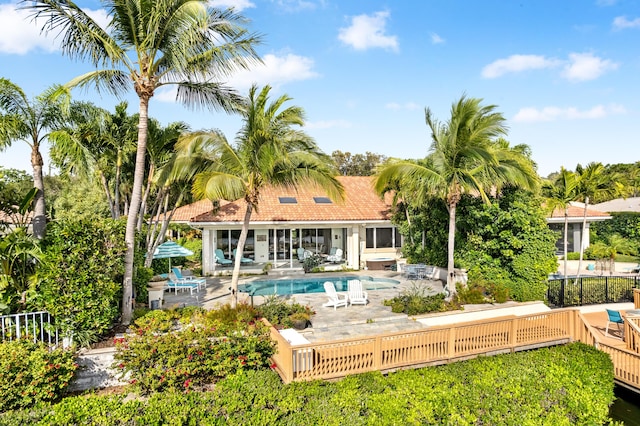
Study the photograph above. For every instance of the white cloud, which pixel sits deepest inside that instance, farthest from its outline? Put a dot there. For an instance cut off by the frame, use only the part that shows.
(295, 5)
(276, 71)
(579, 66)
(328, 124)
(368, 31)
(553, 113)
(436, 39)
(409, 106)
(517, 63)
(585, 66)
(621, 23)
(20, 34)
(238, 5)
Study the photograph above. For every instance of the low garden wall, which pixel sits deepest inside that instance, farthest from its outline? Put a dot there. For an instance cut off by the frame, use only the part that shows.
(94, 370)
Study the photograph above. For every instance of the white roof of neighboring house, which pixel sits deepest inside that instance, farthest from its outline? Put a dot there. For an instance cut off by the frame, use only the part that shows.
(619, 205)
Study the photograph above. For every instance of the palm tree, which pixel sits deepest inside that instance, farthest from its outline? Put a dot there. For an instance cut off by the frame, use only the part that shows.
(31, 122)
(94, 141)
(592, 183)
(268, 152)
(558, 195)
(160, 148)
(464, 157)
(153, 43)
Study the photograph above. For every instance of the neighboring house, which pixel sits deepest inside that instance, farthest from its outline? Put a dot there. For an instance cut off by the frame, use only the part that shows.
(10, 221)
(619, 205)
(575, 219)
(288, 219)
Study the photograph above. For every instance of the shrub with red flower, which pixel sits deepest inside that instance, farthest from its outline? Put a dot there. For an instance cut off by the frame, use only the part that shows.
(194, 351)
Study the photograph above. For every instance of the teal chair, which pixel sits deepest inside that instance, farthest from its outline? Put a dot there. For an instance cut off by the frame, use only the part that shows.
(220, 259)
(243, 260)
(188, 279)
(615, 318)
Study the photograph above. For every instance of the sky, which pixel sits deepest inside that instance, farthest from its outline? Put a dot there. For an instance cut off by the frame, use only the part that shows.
(564, 73)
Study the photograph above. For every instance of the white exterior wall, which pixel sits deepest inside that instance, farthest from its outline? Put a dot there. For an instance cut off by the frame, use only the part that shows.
(207, 251)
(261, 242)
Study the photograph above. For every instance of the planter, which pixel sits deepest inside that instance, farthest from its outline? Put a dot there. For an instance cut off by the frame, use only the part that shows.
(156, 297)
(158, 284)
(300, 324)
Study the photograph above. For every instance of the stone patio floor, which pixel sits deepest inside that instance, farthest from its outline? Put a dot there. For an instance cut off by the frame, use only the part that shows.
(328, 323)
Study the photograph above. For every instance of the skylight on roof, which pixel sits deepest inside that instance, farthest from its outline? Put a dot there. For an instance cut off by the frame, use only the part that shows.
(288, 200)
(322, 200)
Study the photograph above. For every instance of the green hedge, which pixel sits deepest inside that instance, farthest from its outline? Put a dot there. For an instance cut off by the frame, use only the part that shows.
(564, 385)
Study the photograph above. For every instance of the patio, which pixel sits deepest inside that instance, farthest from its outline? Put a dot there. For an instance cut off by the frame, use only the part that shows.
(327, 323)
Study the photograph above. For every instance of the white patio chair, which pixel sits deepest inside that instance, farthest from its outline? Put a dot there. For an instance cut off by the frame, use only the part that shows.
(356, 295)
(336, 258)
(335, 299)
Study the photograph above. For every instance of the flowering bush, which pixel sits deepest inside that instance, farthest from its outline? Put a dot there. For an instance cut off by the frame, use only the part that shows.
(192, 355)
(32, 373)
(278, 311)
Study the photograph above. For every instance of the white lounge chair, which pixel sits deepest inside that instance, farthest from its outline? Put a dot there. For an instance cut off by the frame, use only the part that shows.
(189, 279)
(335, 258)
(175, 284)
(335, 299)
(356, 295)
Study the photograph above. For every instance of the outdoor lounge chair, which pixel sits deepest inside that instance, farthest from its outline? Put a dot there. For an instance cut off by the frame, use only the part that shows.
(243, 260)
(303, 254)
(335, 258)
(220, 259)
(188, 279)
(175, 284)
(616, 318)
(356, 295)
(335, 299)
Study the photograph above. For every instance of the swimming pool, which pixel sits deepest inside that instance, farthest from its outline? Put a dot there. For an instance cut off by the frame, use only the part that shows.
(287, 286)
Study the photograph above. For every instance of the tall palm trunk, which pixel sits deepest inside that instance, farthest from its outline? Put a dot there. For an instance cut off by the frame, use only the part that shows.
(107, 192)
(145, 197)
(130, 235)
(584, 230)
(451, 244)
(566, 242)
(116, 191)
(239, 252)
(39, 209)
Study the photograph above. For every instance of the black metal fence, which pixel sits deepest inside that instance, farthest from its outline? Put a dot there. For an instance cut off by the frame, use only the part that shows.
(591, 290)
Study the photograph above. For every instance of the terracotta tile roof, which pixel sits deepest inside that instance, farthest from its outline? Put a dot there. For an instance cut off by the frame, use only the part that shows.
(577, 210)
(186, 213)
(361, 204)
(15, 218)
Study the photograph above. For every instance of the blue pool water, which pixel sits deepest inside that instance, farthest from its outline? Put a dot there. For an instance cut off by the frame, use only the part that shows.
(283, 287)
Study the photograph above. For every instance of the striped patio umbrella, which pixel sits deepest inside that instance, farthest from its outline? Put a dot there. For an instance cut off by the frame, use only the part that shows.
(170, 249)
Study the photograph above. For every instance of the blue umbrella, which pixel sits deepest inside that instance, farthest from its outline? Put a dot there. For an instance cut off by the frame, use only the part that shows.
(170, 249)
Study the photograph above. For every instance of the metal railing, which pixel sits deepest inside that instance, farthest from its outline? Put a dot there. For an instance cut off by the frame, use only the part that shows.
(589, 290)
(38, 326)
